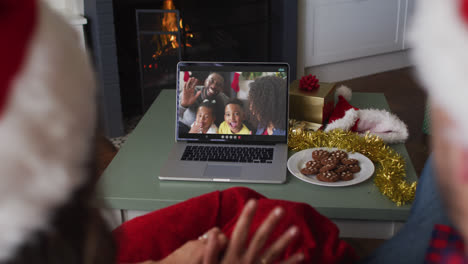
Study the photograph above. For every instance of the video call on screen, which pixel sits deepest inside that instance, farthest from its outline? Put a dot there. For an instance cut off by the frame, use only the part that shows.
(232, 104)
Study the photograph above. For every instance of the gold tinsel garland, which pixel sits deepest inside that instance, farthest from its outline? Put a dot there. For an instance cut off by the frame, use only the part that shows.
(390, 166)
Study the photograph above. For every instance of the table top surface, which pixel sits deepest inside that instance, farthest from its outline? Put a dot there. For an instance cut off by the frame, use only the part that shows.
(130, 181)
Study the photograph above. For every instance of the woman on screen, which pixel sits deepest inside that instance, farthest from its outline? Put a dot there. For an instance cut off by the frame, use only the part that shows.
(268, 94)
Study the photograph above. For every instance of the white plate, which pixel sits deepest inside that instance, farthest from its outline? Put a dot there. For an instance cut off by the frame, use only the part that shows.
(297, 161)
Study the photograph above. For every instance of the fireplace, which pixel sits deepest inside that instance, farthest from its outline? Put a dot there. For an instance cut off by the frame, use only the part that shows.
(135, 53)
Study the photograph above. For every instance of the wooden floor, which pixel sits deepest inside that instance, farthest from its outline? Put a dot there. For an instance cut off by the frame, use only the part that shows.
(406, 100)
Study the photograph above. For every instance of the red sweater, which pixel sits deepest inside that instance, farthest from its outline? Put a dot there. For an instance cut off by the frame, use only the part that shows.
(155, 235)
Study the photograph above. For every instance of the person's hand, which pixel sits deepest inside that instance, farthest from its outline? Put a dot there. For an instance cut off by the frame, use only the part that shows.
(196, 128)
(237, 252)
(192, 251)
(188, 93)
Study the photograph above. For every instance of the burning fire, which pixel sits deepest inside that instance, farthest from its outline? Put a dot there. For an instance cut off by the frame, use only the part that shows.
(169, 42)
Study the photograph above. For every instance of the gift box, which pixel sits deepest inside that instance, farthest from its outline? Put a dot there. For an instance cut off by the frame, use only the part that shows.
(303, 126)
(315, 106)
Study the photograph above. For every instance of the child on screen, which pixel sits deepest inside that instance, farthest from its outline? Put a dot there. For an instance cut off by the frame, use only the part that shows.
(234, 117)
(204, 122)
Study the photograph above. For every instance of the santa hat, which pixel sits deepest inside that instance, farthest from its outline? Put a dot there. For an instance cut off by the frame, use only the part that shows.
(439, 41)
(47, 104)
(378, 122)
(344, 116)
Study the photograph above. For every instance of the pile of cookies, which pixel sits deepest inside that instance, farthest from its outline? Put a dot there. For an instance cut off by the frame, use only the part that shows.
(331, 166)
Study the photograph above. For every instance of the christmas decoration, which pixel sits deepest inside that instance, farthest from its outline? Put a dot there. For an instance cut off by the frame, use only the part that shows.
(235, 82)
(297, 125)
(440, 46)
(344, 116)
(309, 83)
(315, 106)
(464, 10)
(377, 122)
(390, 166)
(186, 76)
(46, 103)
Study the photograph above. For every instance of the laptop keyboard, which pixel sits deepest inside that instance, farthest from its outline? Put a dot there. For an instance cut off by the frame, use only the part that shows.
(228, 154)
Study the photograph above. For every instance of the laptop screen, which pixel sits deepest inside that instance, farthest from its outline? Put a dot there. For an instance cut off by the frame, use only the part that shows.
(232, 102)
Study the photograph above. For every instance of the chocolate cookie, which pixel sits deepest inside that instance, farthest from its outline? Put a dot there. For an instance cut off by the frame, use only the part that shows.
(328, 161)
(339, 154)
(346, 176)
(354, 168)
(340, 168)
(347, 161)
(328, 176)
(313, 164)
(320, 154)
(309, 171)
(327, 167)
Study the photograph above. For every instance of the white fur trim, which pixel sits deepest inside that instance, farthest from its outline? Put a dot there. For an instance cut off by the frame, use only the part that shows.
(382, 124)
(439, 38)
(45, 131)
(345, 123)
(344, 91)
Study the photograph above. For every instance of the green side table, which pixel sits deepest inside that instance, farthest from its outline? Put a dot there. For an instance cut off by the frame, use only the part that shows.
(130, 184)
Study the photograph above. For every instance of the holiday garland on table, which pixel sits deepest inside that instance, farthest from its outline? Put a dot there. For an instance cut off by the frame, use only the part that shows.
(390, 170)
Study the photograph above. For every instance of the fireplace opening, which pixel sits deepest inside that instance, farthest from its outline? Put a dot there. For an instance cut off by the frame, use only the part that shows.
(151, 36)
(159, 50)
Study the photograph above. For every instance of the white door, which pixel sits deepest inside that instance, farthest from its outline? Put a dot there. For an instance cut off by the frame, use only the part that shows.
(338, 30)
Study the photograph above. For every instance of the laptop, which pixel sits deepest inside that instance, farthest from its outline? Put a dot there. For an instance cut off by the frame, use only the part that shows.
(231, 123)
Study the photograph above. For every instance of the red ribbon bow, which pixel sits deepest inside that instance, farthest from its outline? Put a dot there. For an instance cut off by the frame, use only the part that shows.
(309, 83)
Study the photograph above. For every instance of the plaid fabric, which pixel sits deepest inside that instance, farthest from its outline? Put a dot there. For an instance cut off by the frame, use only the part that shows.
(446, 246)
(426, 127)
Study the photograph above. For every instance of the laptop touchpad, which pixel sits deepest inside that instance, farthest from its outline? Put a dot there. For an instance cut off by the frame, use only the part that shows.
(222, 171)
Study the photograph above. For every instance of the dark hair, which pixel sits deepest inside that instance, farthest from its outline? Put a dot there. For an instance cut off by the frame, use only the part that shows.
(268, 94)
(208, 104)
(77, 232)
(236, 101)
(215, 73)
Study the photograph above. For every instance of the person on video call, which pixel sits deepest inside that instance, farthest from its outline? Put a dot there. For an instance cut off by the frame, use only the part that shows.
(266, 95)
(193, 95)
(234, 118)
(204, 123)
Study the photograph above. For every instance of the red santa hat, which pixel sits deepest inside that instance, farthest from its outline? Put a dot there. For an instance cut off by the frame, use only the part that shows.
(439, 39)
(344, 116)
(47, 121)
(378, 122)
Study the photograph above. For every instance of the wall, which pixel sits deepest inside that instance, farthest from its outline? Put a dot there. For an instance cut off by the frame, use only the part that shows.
(383, 52)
